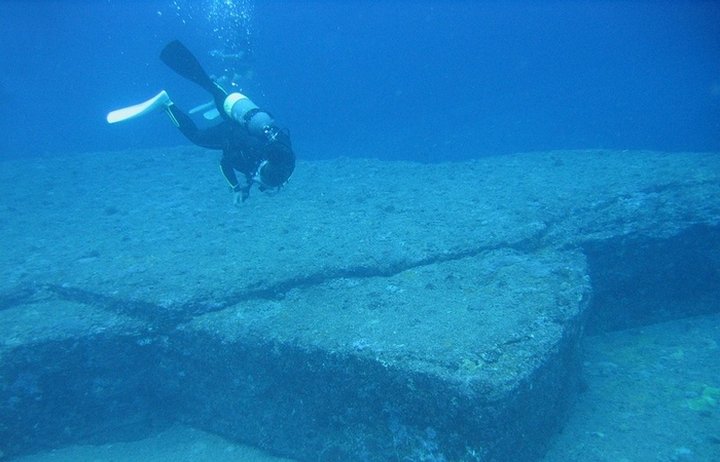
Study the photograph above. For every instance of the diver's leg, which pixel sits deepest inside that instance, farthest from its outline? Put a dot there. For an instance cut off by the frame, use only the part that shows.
(209, 138)
(219, 94)
(182, 121)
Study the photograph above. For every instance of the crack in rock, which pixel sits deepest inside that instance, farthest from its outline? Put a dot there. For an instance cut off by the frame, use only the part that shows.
(165, 317)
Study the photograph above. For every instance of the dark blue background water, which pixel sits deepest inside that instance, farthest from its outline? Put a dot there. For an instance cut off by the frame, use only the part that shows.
(390, 79)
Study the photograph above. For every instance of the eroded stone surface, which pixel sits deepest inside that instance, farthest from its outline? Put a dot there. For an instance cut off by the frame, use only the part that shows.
(489, 317)
(160, 228)
(447, 349)
(411, 296)
(55, 320)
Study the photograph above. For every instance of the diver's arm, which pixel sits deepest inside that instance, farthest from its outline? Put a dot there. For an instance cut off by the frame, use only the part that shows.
(241, 191)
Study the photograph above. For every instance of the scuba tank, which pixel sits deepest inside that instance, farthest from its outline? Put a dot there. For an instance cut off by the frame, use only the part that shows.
(241, 109)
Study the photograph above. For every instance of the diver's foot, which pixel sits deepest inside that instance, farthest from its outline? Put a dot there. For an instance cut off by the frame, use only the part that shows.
(163, 99)
(219, 94)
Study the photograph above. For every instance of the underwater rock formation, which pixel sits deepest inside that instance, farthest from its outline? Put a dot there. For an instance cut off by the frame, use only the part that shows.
(370, 311)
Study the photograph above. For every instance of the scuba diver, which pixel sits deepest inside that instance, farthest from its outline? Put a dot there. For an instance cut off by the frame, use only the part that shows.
(250, 141)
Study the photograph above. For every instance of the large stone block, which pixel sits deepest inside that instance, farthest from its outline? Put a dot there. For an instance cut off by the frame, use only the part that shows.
(372, 310)
(452, 359)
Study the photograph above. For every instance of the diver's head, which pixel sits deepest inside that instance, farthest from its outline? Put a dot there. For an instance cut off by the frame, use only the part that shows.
(277, 168)
(239, 108)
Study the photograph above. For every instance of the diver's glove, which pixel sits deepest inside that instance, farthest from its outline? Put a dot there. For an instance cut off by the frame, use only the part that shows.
(240, 193)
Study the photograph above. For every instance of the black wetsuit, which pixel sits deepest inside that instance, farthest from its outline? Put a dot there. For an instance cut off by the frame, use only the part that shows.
(242, 151)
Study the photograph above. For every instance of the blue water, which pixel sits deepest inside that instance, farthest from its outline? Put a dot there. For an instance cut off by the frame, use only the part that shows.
(428, 81)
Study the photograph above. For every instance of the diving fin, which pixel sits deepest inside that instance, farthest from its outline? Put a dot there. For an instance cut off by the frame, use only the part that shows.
(212, 114)
(181, 60)
(161, 100)
(209, 110)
